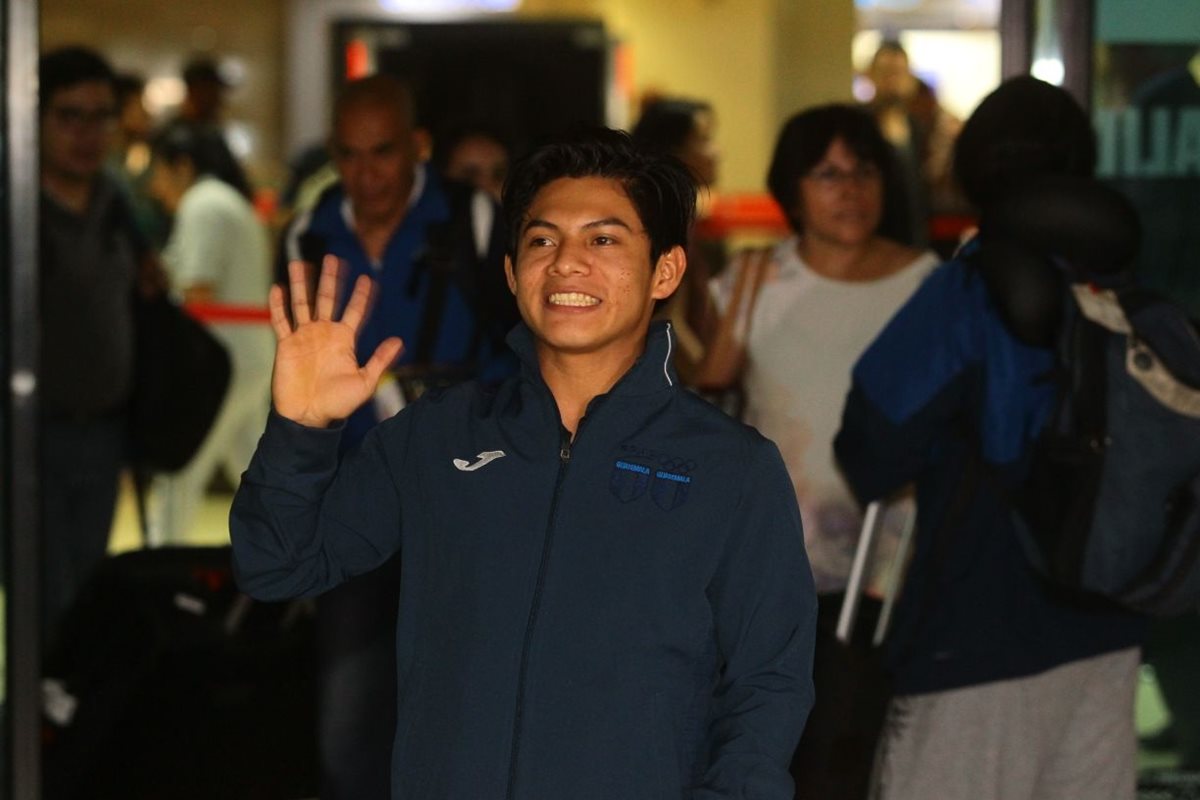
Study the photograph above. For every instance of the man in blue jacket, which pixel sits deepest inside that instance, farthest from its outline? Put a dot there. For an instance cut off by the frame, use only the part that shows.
(1006, 688)
(604, 591)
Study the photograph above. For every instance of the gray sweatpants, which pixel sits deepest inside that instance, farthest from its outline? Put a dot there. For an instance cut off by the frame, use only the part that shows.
(1065, 734)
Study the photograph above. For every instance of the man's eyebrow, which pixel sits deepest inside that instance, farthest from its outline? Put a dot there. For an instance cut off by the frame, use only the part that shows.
(599, 223)
(540, 223)
(607, 221)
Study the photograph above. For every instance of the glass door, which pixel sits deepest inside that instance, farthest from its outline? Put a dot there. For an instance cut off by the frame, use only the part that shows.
(1146, 105)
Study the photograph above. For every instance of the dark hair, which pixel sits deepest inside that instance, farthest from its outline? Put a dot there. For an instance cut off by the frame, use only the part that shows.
(805, 139)
(1025, 128)
(445, 143)
(127, 85)
(660, 187)
(68, 66)
(889, 46)
(666, 124)
(205, 148)
(203, 70)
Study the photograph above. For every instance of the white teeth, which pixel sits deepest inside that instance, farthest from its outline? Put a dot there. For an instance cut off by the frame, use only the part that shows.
(573, 299)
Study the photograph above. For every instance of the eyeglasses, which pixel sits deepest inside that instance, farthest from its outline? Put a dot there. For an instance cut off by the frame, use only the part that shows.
(78, 118)
(832, 177)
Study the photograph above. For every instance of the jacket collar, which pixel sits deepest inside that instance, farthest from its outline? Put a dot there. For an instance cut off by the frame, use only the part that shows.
(654, 371)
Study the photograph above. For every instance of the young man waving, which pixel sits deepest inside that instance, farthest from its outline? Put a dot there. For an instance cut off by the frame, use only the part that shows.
(604, 592)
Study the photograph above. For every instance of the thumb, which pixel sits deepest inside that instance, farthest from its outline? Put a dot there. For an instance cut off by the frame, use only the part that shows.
(386, 353)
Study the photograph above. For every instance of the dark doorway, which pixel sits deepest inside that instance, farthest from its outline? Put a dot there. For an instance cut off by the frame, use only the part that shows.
(527, 80)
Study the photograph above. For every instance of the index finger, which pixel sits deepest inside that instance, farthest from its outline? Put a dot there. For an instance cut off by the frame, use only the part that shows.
(279, 320)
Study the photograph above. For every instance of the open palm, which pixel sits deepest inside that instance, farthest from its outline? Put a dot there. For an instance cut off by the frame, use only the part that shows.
(317, 378)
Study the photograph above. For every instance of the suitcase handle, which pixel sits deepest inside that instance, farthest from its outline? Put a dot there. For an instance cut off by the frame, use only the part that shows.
(856, 584)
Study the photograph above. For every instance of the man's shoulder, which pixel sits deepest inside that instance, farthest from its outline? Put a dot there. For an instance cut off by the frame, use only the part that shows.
(700, 418)
(110, 210)
(326, 210)
(307, 234)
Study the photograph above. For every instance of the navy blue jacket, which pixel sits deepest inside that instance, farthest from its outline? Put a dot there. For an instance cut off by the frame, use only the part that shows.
(626, 615)
(943, 386)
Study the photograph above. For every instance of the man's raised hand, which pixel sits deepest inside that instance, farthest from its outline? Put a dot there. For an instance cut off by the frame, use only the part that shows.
(317, 378)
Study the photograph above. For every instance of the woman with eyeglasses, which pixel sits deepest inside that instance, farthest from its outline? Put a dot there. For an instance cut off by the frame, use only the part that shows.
(788, 323)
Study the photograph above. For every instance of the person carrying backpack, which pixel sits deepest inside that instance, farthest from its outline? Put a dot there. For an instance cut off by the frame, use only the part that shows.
(1007, 685)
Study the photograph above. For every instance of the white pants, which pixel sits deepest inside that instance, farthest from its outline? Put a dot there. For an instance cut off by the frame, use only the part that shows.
(1065, 734)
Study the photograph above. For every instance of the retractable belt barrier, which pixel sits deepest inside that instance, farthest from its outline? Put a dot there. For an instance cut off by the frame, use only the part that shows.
(229, 313)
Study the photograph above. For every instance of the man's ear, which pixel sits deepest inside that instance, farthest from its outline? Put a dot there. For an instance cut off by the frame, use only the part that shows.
(668, 273)
(422, 144)
(509, 276)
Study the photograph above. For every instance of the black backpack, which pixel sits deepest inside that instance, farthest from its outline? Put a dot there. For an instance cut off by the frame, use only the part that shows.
(1111, 507)
(181, 372)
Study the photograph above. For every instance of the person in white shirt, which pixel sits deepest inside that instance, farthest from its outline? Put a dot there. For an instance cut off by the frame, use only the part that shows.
(218, 252)
(788, 323)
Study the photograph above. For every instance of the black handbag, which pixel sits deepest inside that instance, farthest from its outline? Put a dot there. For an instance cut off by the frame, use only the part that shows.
(181, 375)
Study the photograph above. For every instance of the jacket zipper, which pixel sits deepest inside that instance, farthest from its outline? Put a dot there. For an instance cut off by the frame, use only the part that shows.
(564, 459)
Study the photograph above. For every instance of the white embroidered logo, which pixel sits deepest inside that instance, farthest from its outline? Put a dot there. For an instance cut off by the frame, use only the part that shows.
(485, 458)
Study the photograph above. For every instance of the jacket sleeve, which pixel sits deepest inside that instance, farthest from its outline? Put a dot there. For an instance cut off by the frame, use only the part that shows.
(764, 609)
(300, 523)
(909, 388)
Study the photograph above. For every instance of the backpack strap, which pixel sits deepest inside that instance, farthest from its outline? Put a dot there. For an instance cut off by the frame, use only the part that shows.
(452, 256)
(753, 266)
(440, 263)
(1107, 309)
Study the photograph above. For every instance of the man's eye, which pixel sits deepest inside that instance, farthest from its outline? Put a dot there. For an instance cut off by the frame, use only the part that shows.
(540, 241)
(604, 239)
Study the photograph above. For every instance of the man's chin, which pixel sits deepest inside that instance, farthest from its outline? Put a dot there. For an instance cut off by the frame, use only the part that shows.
(375, 213)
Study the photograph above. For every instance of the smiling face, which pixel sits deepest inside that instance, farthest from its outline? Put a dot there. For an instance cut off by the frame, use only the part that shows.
(583, 278)
(841, 198)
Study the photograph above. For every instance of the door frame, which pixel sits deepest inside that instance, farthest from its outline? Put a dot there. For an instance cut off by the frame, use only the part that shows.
(21, 564)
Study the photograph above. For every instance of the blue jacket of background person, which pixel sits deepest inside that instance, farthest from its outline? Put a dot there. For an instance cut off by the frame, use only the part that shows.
(403, 285)
(626, 615)
(943, 384)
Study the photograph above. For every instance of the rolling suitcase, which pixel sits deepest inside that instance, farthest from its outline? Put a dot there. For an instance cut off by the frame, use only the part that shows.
(833, 759)
(168, 682)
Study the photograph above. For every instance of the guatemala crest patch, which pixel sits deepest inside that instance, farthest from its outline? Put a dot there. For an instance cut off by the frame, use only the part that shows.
(672, 482)
(629, 480)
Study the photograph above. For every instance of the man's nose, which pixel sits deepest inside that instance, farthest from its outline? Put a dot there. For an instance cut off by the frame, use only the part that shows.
(570, 258)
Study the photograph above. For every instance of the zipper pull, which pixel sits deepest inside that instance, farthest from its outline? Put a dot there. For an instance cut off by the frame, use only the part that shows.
(564, 445)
